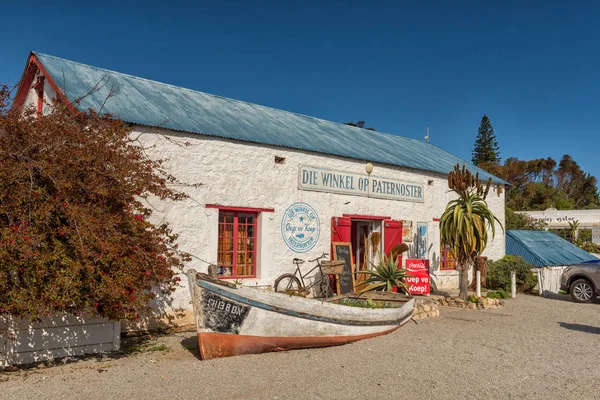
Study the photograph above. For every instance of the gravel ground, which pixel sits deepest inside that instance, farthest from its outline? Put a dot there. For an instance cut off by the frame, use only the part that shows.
(533, 348)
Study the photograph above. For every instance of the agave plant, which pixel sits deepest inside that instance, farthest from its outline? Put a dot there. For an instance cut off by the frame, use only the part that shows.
(385, 276)
(466, 221)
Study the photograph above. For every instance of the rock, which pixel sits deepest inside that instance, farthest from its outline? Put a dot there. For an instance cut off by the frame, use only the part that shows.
(458, 300)
(472, 306)
(432, 314)
(426, 308)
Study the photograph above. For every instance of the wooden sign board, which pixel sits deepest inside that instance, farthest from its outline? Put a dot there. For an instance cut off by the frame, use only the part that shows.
(345, 281)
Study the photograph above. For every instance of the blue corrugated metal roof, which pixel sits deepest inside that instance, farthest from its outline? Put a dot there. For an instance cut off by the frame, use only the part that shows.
(544, 249)
(145, 102)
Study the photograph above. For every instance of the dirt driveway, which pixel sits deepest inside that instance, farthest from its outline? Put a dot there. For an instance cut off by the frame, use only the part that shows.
(533, 348)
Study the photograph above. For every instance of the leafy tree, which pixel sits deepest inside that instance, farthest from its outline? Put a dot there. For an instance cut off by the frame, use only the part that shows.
(465, 222)
(542, 183)
(75, 234)
(486, 146)
(521, 221)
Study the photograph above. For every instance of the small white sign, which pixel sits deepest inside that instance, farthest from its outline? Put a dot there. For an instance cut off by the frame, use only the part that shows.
(324, 180)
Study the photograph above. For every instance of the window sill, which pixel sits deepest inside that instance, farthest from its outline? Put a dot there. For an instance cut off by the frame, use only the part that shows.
(227, 277)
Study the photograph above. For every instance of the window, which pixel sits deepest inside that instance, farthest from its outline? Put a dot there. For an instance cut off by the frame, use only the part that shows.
(236, 256)
(447, 259)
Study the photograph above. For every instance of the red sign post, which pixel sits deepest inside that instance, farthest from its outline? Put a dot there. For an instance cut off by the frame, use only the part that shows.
(418, 282)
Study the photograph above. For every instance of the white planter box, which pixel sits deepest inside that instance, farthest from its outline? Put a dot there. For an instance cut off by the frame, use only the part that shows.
(23, 342)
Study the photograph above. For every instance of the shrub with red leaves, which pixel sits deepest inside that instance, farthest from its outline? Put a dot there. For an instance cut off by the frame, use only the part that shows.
(75, 235)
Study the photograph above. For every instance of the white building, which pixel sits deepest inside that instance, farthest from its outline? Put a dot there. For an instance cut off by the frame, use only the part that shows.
(561, 220)
(276, 185)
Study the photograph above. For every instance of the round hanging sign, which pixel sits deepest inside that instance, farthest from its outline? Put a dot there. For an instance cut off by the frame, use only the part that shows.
(300, 227)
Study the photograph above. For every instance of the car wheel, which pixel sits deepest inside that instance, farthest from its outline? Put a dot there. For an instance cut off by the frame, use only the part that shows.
(582, 291)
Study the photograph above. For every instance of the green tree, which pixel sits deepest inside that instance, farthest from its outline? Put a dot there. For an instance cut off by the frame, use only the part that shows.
(542, 183)
(574, 227)
(465, 222)
(486, 146)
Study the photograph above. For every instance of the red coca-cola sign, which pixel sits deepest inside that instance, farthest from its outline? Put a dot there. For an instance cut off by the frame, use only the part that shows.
(418, 281)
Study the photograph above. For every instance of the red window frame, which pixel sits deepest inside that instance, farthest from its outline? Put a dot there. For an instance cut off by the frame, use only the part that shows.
(236, 239)
(447, 259)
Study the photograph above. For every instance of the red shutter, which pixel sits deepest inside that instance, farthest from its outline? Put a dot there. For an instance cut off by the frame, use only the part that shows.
(340, 229)
(392, 235)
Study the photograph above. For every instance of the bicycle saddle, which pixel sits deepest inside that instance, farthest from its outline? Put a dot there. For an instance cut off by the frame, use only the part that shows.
(298, 260)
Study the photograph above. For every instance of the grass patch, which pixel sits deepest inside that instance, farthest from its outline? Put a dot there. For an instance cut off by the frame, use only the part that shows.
(142, 346)
(498, 294)
(364, 304)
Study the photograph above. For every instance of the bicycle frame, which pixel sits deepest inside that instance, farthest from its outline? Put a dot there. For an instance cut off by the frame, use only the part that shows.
(299, 272)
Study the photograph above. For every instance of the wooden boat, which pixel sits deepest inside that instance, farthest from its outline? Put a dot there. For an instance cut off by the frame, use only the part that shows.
(242, 320)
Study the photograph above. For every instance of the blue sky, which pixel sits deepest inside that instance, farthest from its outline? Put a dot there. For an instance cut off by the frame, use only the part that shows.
(531, 66)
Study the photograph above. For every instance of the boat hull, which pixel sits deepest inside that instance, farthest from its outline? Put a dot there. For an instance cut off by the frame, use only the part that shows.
(237, 321)
(216, 345)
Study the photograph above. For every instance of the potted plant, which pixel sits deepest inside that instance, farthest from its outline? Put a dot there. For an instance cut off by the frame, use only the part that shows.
(385, 276)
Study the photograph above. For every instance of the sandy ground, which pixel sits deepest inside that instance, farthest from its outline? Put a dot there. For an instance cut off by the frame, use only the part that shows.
(534, 348)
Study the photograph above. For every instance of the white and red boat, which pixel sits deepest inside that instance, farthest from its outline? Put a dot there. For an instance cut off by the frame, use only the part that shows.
(241, 320)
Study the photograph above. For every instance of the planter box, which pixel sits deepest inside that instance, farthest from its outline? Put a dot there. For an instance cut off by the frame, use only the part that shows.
(24, 342)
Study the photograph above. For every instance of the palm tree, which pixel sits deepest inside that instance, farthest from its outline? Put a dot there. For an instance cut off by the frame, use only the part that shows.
(574, 227)
(465, 222)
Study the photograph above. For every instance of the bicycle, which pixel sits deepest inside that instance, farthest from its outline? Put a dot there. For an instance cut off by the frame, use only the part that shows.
(289, 283)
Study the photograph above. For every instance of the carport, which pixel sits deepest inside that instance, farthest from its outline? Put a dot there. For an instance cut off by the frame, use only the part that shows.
(548, 253)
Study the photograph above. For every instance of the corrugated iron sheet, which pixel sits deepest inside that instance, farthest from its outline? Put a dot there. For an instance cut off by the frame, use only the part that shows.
(544, 249)
(145, 102)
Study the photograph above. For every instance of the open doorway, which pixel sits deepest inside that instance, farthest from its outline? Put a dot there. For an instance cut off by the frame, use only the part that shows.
(367, 243)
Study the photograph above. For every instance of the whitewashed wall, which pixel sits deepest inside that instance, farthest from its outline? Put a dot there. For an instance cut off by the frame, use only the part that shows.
(242, 174)
(549, 279)
(24, 342)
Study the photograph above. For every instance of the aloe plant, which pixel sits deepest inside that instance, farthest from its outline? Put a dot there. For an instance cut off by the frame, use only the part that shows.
(384, 276)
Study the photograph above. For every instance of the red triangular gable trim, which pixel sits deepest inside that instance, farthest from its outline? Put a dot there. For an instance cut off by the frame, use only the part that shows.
(33, 65)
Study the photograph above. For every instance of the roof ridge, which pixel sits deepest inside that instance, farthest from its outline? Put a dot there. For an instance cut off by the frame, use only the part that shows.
(228, 98)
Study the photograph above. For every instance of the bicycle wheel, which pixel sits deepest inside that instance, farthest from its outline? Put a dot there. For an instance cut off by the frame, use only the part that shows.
(287, 283)
(324, 287)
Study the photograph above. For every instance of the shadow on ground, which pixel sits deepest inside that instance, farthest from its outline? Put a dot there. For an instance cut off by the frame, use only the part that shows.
(580, 328)
(563, 297)
(191, 345)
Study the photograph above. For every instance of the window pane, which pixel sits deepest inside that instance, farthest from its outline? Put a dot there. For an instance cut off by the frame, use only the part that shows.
(241, 261)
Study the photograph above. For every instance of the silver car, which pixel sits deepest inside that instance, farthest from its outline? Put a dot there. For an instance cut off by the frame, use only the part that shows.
(582, 281)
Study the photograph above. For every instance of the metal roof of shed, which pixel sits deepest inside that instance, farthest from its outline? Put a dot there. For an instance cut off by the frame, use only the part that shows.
(145, 102)
(544, 249)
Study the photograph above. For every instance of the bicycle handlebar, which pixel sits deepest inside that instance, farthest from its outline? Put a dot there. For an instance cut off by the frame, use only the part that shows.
(318, 258)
